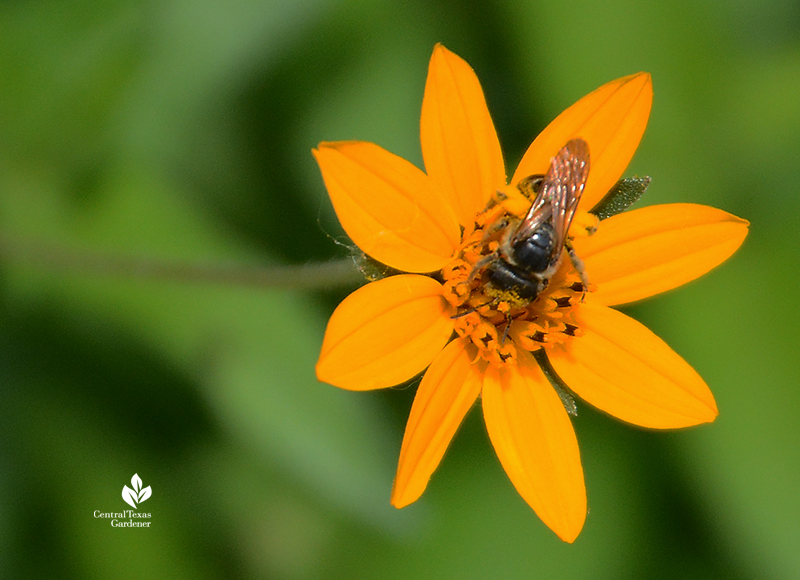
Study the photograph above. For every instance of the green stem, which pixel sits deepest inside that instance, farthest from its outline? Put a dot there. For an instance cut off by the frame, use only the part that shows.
(332, 274)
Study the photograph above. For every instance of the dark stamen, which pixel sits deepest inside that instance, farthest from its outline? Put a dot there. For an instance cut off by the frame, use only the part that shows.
(538, 336)
(569, 329)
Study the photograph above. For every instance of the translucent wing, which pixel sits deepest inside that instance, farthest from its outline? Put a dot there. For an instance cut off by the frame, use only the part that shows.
(560, 192)
(541, 210)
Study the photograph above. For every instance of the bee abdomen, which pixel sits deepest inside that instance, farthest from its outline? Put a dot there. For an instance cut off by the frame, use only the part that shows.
(506, 277)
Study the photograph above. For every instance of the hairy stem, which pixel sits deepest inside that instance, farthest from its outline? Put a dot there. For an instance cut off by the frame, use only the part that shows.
(306, 276)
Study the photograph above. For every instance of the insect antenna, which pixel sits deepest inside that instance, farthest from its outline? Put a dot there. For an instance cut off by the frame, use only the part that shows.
(473, 309)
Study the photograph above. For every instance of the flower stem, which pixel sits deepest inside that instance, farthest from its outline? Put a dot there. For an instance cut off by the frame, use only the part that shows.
(305, 276)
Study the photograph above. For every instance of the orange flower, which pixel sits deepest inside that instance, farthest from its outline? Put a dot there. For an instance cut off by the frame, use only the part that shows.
(441, 315)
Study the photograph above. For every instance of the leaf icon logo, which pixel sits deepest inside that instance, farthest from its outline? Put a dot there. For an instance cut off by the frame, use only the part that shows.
(137, 495)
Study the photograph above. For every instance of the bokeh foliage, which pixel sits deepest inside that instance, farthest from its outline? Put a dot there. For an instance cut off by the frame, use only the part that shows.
(182, 130)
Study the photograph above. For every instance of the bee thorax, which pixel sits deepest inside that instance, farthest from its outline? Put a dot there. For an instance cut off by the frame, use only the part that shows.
(534, 254)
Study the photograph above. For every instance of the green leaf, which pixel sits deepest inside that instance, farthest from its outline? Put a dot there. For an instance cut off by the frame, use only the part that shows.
(625, 193)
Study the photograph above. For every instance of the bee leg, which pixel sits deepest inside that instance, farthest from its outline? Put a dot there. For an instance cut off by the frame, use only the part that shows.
(508, 327)
(498, 225)
(479, 265)
(579, 267)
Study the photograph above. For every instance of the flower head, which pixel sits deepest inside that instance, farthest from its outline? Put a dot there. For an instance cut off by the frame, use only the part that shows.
(444, 228)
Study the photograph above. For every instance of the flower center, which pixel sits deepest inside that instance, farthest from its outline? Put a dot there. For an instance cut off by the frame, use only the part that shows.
(497, 320)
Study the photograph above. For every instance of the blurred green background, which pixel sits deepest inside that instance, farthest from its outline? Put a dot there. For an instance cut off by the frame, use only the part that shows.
(182, 130)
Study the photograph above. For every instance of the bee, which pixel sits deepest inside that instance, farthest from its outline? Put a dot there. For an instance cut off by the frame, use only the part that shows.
(530, 253)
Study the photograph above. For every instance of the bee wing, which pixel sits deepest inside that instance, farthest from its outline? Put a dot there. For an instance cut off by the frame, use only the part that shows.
(570, 170)
(560, 193)
(541, 211)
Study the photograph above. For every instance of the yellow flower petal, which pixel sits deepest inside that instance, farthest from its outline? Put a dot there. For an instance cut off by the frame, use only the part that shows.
(640, 253)
(459, 143)
(384, 333)
(388, 207)
(611, 120)
(622, 368)
(447, 391)
(534, 439)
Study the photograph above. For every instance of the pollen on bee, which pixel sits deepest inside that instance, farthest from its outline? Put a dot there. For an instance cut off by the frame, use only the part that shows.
(583, 224)
(512, 201)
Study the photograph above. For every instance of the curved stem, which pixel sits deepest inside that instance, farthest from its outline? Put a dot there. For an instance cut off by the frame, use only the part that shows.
(306, 276)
